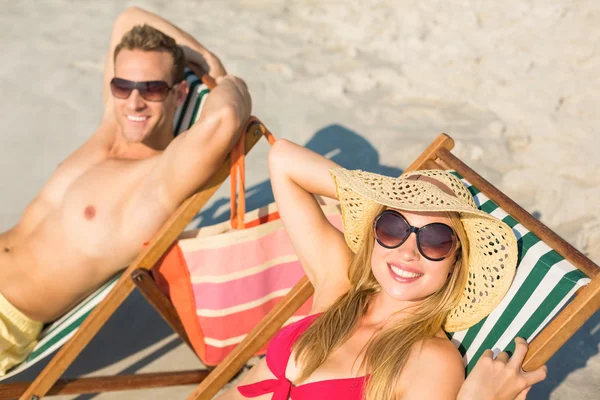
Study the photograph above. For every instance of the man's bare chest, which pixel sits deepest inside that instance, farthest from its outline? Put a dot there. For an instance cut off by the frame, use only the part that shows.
(106, 186)
(99, 211)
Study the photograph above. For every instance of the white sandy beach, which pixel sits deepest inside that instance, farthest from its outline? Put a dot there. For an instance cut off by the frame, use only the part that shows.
(369, 82)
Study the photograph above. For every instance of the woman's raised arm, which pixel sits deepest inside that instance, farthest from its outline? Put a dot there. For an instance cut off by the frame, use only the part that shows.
(296, 175)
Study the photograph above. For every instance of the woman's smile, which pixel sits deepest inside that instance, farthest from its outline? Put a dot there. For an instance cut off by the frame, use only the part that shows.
(403, 274)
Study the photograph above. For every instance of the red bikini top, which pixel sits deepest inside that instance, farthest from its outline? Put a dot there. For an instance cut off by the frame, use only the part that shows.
(278, 354)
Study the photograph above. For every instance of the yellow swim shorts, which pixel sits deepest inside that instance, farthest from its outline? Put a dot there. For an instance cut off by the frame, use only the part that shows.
(18, 335)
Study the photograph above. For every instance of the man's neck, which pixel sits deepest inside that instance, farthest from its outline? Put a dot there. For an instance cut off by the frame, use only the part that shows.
(124, 149)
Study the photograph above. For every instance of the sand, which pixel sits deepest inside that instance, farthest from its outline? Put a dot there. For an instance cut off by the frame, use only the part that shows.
(370, 83)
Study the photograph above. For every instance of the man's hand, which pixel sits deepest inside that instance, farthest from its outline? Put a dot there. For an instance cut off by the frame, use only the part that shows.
(235, 93)
(501, 378)
(207, 61)
(197, 154)
(215, 68)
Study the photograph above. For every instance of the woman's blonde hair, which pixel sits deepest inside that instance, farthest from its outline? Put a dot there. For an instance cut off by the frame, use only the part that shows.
(387, 351)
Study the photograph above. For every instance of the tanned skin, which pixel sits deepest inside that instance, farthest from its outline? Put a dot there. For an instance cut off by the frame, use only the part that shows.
(113, 193)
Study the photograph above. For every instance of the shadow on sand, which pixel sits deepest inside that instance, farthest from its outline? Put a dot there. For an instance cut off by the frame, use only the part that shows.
(341, 145)
(574, 355)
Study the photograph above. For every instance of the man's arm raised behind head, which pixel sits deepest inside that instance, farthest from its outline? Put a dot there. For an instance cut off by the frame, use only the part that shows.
(194, 51)
(197, 154)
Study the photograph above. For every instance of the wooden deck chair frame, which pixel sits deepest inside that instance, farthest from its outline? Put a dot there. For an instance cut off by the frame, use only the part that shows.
(437, 155)
(48, 382)
(585, 303)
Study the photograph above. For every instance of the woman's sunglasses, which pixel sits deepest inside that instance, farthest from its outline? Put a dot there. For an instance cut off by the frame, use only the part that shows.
(435, 241)
(149, 90)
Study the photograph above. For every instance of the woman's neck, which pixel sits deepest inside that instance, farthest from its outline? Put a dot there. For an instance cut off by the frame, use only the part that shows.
(384, 309)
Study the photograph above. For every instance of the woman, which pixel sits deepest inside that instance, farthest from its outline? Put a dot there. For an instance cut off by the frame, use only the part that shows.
(382, 294)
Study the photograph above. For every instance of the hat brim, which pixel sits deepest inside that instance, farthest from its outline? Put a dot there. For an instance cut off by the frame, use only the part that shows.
(492, 244)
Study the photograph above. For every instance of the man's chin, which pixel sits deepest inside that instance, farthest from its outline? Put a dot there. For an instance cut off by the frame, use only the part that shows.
(133, 131)
(134, 137)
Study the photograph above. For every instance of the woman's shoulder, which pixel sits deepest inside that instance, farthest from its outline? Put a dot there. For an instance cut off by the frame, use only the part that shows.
(439, 349)
(434, 370)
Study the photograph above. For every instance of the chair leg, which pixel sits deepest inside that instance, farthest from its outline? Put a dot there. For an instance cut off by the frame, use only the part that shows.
(146, 285)
(109, 383)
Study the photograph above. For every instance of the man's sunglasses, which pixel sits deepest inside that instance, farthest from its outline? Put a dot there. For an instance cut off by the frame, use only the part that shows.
(435, 241)
(149, 90)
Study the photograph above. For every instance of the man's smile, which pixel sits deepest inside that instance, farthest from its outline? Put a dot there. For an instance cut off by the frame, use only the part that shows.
(136, 118)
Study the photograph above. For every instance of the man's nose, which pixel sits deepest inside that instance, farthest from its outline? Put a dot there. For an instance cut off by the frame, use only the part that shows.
(135, 100)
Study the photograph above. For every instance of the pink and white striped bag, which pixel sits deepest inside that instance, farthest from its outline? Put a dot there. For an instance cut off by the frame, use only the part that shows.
(224, 281)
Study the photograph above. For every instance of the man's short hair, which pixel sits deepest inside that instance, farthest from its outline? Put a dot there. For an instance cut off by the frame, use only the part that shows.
(146, 38)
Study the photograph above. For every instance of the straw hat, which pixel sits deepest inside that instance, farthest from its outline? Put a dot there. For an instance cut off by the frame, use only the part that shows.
(492, 244)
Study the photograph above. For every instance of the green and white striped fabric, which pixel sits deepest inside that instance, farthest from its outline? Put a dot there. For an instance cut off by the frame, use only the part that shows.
(60, 331)
(188, 113)
(543, 284)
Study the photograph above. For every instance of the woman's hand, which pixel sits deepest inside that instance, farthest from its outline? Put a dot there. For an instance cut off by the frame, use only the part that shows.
(501, 378)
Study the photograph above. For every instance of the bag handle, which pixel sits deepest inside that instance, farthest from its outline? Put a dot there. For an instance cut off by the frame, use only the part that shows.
(238, 169)
(237, 158)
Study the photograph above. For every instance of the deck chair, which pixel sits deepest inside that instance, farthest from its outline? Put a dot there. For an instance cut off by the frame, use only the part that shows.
(539, 305)
(75, 330)
(57, 333)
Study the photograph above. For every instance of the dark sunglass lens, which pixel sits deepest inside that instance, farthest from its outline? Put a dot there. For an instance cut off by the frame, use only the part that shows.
(121, 88)
(391, 229)
(436, 240)
(155, 90)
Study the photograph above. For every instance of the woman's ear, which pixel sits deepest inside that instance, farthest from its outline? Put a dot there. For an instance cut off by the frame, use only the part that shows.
(457, 258)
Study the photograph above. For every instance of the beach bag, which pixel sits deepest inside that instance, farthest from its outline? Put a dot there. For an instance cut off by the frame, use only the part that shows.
(223, 279)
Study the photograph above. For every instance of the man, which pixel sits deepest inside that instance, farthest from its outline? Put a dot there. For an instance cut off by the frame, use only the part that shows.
(114, 192)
